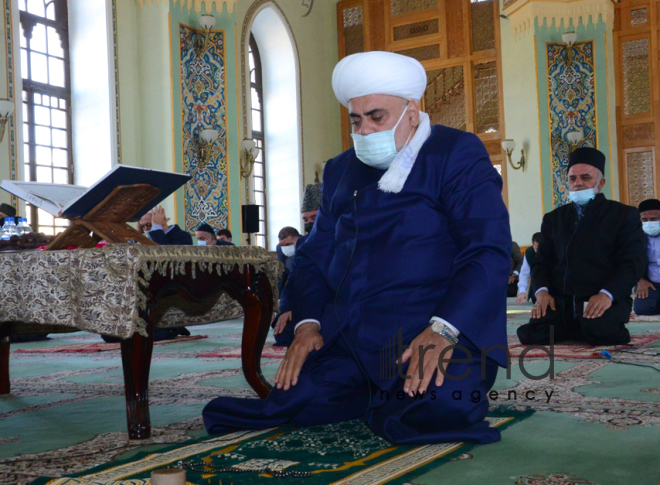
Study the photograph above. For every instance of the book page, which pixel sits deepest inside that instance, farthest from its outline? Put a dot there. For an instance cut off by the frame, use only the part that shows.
(59, 194)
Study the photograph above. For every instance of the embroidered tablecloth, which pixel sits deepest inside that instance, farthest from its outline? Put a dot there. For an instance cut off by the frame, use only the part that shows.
(102, 290)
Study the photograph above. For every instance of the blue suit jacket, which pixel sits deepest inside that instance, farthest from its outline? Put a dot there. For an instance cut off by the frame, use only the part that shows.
(175, 236)
(378, 263)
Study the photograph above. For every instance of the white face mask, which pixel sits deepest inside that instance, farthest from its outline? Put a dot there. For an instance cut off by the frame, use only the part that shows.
(652, 228)
(288, 251)
(582, 197)
(378, 149)
(201, 243)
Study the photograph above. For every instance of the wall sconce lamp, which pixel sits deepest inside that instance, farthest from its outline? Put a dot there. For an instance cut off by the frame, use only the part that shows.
(508, 146)
(250, 152)
(6, 110)
(569, 39)
(574, 138)
(207, 22)
(205, 146)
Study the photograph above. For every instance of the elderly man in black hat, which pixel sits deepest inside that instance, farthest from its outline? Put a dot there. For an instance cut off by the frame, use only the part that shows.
(592, 253)
(310, 205)
(647, 295)
(205, 235)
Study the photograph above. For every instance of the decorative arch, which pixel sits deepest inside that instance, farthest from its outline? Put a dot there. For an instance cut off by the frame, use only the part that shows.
(283, 127)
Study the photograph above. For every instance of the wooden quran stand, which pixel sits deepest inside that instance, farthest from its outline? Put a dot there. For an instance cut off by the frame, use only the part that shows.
(107, 221)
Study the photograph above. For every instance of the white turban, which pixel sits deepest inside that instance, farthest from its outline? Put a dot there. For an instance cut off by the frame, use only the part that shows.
(378, 72)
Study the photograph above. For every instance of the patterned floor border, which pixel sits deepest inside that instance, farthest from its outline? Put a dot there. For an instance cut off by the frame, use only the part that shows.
(103, 448)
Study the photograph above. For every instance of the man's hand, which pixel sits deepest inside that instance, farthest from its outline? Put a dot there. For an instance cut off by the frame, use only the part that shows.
(520, 299)
(283, 319)
(597, 305)
(643, 288)
(435, 343)
(159, 216)
(307, 338)
(512, 279)
(543, 301)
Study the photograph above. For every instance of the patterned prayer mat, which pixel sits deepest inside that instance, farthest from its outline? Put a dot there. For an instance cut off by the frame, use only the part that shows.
(579, 350)
(270, 351)
(346, 453)
(634, 318)
(94, 347)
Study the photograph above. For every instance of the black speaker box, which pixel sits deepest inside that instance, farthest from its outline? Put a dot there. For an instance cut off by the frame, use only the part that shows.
(250, 218)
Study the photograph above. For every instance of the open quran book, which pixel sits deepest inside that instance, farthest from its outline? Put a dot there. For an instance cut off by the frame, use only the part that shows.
(52, 198)
(75, 201)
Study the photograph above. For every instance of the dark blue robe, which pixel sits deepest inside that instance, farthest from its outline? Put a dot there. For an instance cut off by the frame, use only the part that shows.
(175, 236)
(379, 264)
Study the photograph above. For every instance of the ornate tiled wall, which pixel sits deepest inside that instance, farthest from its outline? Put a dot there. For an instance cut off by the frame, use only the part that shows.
(203, 106)
(571, 107)
(580, 97)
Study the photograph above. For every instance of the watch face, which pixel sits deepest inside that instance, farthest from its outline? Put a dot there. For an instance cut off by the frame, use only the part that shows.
(437, 327)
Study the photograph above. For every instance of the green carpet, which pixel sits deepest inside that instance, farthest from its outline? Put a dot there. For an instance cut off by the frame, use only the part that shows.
(66, 413)
(339, 453)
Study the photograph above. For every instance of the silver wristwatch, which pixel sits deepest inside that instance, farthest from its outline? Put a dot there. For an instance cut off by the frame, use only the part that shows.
(441, 328)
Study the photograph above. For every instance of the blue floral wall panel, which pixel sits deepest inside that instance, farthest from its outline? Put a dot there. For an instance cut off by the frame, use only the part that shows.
(571, 106)
(203, 106)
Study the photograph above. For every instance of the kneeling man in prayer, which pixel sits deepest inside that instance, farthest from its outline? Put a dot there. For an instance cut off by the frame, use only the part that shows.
(410, 247)
(647, 295)
(592, 253)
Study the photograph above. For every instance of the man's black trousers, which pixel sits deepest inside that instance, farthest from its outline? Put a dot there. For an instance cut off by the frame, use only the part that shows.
(570, 325)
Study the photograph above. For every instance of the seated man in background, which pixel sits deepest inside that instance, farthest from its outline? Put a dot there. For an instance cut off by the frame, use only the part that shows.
(514, 275)
(282, 330)
(647, 297)
(285, 251)
(224, 235)
(6, 210)
(154, 224)
(526, 271)
(592, 253)
(310, 205)
(205, 235)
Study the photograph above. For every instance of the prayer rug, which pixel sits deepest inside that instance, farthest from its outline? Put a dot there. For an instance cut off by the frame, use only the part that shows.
(94, 347)
(634, 318)
(270, 351)
(346, 453)
(579, 350)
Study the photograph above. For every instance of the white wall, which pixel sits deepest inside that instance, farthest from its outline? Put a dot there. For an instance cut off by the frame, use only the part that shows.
(143, 38)
(521, 119)
(281, 122)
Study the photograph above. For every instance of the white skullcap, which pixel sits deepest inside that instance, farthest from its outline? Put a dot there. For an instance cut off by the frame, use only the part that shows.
(378, 72)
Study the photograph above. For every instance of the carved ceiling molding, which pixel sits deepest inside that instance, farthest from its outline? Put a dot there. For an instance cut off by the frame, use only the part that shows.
(196, 4)
(523, 13)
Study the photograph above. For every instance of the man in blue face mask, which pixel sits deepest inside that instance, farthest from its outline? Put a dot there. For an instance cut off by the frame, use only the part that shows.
(647, 294)
(592, 253)
(411, 244)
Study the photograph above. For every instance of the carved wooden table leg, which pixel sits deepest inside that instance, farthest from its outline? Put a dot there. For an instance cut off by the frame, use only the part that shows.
(5, 386)
(136, 362)
(258, 306)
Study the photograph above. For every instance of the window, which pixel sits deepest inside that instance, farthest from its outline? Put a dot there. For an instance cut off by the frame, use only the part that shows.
(46, 101)
(257, 116)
